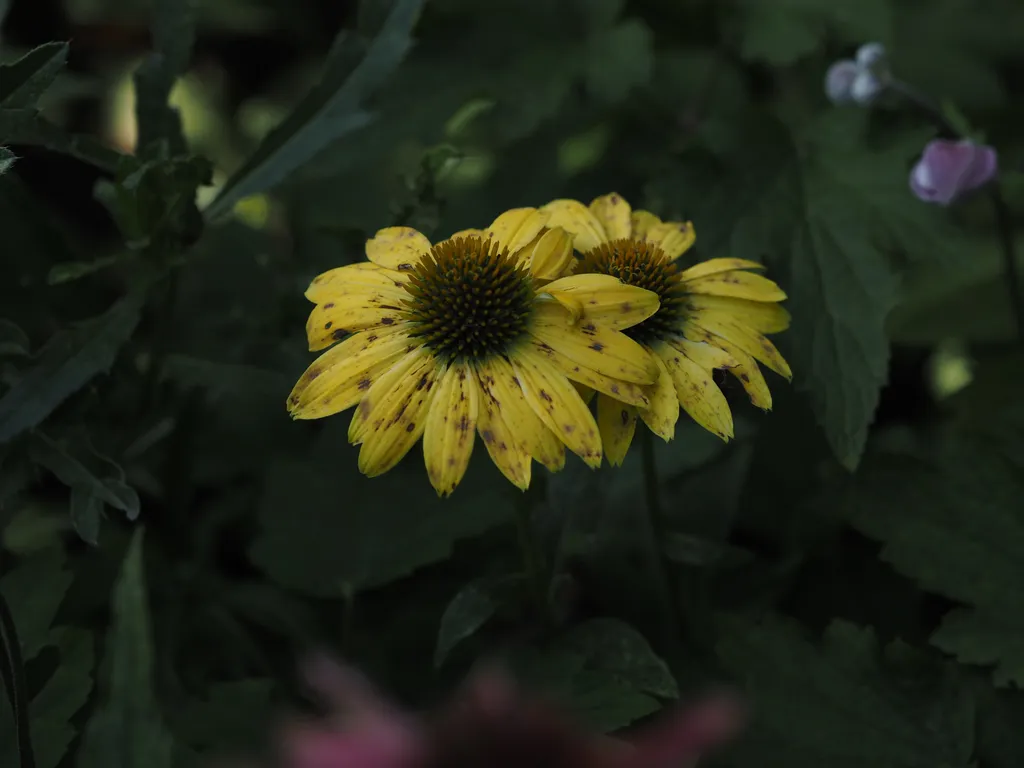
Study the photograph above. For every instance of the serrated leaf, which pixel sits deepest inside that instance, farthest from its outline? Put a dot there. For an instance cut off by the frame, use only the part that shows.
(603, 670)
(127, 729)
(468, 611)
(27, 126)
(34, 591)
(326, 528)
(619, 60)
(68, 362)
(334, 108)
(173, 28)
(832, 218)
(24, 81)
(7, 160)
(781, 32)
(951, 520)
(843, 703)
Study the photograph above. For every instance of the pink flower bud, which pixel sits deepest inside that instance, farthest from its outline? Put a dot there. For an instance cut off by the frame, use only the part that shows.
(950, 169)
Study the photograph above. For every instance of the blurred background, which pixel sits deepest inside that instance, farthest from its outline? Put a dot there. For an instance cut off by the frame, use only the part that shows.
(853, 501)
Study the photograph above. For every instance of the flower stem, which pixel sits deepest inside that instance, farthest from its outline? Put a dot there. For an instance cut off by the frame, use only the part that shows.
(1004, 221)
(533, 557)
(1004, 225)
(654, 534)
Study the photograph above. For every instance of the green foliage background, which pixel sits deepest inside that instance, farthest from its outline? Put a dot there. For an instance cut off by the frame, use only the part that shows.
(854, 559)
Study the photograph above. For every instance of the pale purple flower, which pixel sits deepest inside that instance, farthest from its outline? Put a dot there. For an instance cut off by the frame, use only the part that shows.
(859, 80)
(839, 80)
(950, 169)
(491, 723)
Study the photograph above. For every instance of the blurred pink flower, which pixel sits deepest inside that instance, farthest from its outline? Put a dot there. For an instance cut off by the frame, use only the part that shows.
(949, 169)
(489, 724)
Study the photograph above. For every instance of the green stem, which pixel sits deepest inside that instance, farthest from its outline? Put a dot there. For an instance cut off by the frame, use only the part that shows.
(12, 672)
(1004, 221)
(654, 534)
(533, 558)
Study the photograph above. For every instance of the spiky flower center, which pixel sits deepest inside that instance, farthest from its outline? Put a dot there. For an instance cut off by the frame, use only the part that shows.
(645, 265)
(469, 299)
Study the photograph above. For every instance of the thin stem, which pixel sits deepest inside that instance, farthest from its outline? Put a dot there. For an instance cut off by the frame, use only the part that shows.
(654, 535)
(1004, 220)
(533, 558)
(1004, 225)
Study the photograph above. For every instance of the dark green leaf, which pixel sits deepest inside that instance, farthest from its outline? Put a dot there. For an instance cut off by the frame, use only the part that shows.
(24, 81)
(86, 513)
(13, 340)
(844, 704)
(603, 670)
(34, 591)
(331, 110)
(781, 32)
(173, 27)
(27, 126)
(326, 528)
(61, 698)
(619, 59)
(952, 521)
(830, 215)
(68, 362)
(127, 729)
(468, 611)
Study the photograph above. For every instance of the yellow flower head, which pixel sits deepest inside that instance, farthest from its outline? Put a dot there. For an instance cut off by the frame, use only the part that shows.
(713, 315)
(471, 335)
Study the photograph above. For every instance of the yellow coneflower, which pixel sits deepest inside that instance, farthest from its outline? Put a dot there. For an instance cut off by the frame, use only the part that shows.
(712, 315)
(471, 334)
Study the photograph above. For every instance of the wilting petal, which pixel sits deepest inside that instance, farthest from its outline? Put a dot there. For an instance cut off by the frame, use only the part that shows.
(673, 237)
(663, 412)
(575, 218)
(737, 285)
(698, 394)
(759, 316)
(330, 322)
(715, 266)
(355, 279)
(515, 228)
(549, 255)
(604, 299)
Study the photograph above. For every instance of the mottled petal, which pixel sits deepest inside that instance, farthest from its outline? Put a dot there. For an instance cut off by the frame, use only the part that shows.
(501, 430)
(673, 237)
(340, 377)
(625, 391)
(515, 228)
(714, 266)
(391, 416)
(469, 233)
(558, 405)
(605, 299)
(451, 428)
(549, 254)
(737, 285)
(329, 322)
(741, 365)
(759, 316)
(398, 248)
(663, 412)
(750, 341)
(505, 391)
(354, 279)
(617, 422)
(614, 214)
(610, 353)
(698, 394)
(574, 217)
